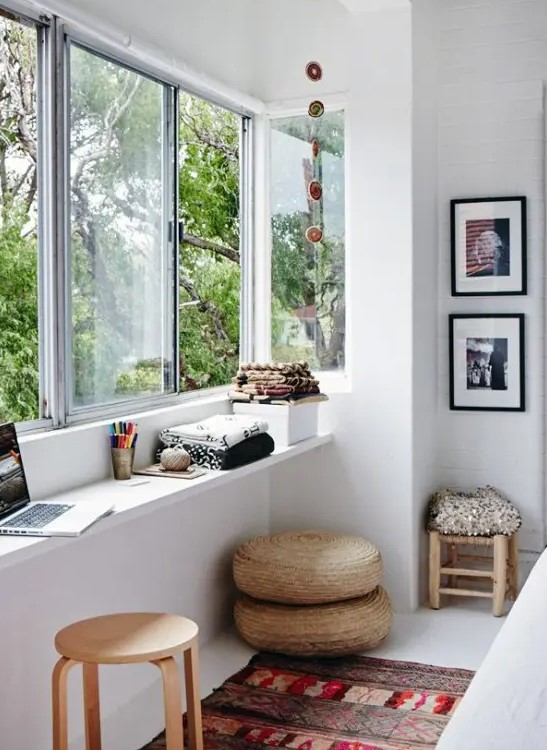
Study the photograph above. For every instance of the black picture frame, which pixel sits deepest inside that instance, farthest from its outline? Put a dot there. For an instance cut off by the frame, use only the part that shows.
(481, 396)
(495, 217)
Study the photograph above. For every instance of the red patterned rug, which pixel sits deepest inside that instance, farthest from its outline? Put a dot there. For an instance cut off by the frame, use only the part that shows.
(354, 703)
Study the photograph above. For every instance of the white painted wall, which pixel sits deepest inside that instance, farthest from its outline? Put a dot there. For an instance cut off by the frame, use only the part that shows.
(365, 483)
(492, 61)
(63, 459)
(175, 560)
(290, 34)
(425, 255)
(213, 38)
(258, 47)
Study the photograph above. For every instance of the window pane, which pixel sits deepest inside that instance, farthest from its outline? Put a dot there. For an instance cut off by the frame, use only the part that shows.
(19, 365)
(121, 260)
(209, 252)
(308, 300)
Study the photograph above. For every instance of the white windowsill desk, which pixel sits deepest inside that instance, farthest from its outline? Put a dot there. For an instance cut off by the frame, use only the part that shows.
(141, 495)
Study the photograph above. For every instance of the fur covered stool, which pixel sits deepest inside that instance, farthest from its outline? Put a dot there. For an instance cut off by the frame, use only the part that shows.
(482, 518)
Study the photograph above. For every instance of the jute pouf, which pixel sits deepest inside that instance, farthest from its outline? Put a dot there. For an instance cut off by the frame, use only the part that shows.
(307, 567)
(323, 630)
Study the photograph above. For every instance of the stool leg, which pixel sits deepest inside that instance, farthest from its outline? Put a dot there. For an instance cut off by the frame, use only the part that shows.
(500, 573)
(513, 566)
(193, 698)
(172, 700)
(434, 569)
(92, 714)
(59, 703)
(454, 561)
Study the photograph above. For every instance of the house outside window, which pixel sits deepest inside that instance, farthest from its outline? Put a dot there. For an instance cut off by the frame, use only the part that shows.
(308, 270)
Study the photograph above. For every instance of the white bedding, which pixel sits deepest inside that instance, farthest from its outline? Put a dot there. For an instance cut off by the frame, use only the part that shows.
(505, 707)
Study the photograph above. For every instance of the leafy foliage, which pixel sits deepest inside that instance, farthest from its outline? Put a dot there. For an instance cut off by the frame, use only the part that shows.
(210, 278)
(116, 216)
(18, 321)
(120, 279)
(19, 392)
(308, 315)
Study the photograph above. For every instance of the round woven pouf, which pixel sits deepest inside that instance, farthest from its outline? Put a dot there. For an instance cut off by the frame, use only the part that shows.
(322, 630)
(307, 567)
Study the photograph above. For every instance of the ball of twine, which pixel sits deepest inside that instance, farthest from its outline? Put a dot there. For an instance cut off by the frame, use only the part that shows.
(175, 459)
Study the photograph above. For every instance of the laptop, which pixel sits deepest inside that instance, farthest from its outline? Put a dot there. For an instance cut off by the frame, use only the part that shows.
(21, 517)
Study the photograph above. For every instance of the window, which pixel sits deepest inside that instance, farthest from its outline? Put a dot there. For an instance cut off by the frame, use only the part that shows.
(121, 256)
(19, 214)
(308, 299)
(120, 230)
(209, 265)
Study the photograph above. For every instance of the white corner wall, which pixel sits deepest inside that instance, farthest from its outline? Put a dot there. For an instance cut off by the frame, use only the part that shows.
(364, 483)
(290, 33)
(425, 260)
(492, 62)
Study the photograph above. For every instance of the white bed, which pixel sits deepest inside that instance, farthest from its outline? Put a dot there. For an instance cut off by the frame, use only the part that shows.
(505, 707)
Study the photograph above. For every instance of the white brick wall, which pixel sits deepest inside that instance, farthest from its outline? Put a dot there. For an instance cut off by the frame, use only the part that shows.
(492, 62)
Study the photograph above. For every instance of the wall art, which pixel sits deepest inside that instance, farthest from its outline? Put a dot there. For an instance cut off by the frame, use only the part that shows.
(488, 246)
(487, 362)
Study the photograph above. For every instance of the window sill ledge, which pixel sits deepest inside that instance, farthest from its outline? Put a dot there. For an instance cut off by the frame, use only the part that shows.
(142, 495)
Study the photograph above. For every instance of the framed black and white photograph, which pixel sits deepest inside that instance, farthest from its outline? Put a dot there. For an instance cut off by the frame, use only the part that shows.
(488, 246)
(487, 362)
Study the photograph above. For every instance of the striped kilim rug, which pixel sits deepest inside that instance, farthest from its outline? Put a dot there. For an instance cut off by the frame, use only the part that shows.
(354, 703)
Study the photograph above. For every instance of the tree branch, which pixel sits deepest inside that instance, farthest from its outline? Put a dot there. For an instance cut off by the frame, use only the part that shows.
(19, 184)
(205, 307)
(226, 252)
(203, 137)
(3, 176)
(31, 193)
(112, 117)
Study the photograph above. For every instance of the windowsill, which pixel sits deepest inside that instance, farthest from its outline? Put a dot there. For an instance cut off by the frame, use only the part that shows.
(183, 401)
(332, 382)
(142, 495)
(123, 410)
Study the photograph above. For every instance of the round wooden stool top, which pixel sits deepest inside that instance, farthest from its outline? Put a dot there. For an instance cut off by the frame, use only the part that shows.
(126, 638)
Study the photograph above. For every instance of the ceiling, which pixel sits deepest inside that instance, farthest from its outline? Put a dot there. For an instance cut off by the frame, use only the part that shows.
(361, 6)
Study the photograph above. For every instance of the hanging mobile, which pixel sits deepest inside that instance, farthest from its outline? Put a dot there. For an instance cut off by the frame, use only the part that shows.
(316, 108)
(315, 191)
(314, 71)
(314, 234)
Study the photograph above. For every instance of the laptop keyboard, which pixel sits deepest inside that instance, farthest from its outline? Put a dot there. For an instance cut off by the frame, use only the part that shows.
(38, 516)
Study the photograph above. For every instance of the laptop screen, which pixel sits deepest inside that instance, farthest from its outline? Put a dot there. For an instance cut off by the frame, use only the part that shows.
(13, 484)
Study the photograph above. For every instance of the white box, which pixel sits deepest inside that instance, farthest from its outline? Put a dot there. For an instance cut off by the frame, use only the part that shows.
(286, 424)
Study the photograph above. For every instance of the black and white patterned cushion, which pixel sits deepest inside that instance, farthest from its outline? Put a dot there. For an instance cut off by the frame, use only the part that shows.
(481, 512)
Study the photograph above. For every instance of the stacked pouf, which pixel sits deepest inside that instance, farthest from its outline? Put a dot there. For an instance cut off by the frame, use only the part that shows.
(311, 593)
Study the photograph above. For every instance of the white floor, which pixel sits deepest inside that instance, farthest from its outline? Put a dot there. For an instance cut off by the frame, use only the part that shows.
(457, 635)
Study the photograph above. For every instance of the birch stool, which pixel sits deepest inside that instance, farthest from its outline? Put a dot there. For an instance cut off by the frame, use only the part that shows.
(129, 639)
(482, 517)
(503, 572)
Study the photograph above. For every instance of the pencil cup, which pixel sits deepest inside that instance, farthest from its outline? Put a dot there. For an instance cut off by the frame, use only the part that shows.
(122, 462)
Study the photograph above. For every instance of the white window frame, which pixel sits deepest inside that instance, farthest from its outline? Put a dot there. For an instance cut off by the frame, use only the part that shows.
(74, 414)
(331, 380)
(54, 215)
(43, 25)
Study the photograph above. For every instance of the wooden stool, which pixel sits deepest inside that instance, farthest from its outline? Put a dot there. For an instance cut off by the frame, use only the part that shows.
(504, 574)
(129, 639)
